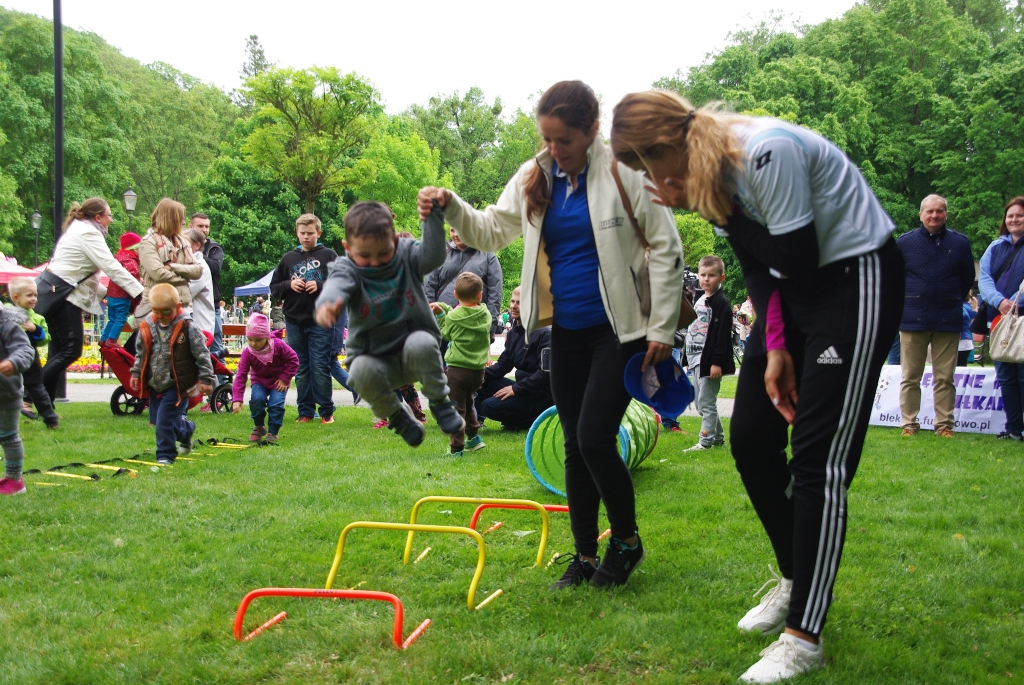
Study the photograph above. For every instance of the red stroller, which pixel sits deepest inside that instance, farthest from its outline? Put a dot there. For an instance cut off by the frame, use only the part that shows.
(127, 402)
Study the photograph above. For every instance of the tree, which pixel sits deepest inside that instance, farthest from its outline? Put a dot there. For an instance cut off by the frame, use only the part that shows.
(12, 214)
(697, 236)
(311, 127)
(396, 164)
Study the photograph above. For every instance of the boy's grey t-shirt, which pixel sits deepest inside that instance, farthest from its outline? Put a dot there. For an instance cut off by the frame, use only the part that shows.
(385, 304)
(697, 333)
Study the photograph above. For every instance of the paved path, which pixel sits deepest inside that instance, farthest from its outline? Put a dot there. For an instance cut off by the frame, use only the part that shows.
(101, 392)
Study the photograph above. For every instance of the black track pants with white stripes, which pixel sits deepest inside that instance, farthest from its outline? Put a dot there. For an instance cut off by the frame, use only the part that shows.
(839, 332)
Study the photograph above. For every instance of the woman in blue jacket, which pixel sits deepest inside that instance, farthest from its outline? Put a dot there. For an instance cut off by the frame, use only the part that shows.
(1002, 273)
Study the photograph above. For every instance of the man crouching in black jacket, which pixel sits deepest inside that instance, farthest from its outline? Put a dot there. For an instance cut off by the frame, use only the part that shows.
(517, 404)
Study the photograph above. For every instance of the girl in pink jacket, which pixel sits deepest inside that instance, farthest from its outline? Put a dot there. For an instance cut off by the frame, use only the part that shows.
(272, 365)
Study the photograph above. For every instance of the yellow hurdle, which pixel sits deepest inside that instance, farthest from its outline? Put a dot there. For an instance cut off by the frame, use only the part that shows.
(411, 527)
(523, 503)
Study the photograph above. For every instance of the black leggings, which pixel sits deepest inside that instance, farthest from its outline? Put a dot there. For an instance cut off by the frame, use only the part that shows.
(586, 381)
(66, 336)
(839, 334)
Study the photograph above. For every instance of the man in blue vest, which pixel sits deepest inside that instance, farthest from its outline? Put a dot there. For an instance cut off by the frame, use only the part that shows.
(940, 272)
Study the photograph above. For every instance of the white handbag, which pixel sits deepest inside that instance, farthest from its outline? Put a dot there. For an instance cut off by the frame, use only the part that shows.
(1006, 343)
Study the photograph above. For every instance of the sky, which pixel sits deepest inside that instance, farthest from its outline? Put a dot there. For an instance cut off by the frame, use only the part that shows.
(412, 51)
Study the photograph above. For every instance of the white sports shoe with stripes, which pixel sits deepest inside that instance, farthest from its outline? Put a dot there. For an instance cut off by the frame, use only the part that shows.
(769, 616)
(784, 659)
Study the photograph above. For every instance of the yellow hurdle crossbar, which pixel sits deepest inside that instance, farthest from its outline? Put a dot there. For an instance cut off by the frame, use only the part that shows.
(411, 527)
(517, 503)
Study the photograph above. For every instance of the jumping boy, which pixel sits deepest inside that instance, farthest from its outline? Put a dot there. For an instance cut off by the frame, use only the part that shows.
(709, 349)
(24, 295)
(393, 337)
(174, 362)
(468, 332)
(297, 282)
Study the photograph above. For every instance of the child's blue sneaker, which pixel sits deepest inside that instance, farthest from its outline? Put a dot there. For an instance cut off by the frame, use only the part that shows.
(455, 454)
(475, 443)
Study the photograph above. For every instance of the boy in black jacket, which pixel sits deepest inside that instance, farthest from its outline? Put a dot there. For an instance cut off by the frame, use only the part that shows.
(709, 349)
(297, 282)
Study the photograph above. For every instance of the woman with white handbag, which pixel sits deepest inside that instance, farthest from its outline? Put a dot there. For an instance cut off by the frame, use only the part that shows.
(1002, 275)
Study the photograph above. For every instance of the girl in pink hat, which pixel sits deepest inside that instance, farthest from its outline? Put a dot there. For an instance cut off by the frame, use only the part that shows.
(272, 365)
(119, 303)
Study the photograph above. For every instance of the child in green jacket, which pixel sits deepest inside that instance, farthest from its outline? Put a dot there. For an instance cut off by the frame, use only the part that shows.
(24, 296)
(468, 332)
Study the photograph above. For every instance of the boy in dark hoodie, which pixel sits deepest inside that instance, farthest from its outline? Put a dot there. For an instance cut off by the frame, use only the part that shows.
(174, 363)
(468, 332)
(709, 349)
(393, 338)
(16, 353)
(297, 282)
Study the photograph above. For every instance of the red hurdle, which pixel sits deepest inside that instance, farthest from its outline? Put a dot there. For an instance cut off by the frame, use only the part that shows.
(326, 594)
(487, 505)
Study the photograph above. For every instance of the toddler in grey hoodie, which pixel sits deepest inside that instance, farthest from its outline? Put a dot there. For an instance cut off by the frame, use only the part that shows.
(16, 353)
(393, 338)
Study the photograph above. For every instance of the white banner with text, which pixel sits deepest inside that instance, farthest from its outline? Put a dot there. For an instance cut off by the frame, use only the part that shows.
(978, 408)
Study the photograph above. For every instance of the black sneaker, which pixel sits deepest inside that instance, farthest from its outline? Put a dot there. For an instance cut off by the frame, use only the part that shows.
(619, 563)
(447, 417)
(165, 461)
(29, 414)
(406, 425)
(1006, 435)
(580, 571)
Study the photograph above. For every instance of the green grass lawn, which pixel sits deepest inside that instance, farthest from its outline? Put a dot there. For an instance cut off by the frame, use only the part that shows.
(137, 580)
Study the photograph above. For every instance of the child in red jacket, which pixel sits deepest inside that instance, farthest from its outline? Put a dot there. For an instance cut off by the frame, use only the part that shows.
(119, 303)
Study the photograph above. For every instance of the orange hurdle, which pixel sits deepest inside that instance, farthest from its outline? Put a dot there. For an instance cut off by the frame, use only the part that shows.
(328, 594)
(489, 505)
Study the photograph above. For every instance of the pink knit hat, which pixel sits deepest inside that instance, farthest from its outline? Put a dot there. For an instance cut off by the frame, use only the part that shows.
(258, 326)
(130, 240)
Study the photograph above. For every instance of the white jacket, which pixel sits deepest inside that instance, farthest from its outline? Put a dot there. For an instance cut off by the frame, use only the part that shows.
(203, 308)
(82, 251)
(618, 249)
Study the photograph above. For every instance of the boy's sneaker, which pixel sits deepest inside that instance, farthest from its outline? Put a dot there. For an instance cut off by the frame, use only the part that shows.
(783, 659)
(11, 486)
(619, 563)
(165, 461)
(380, 423)
(455, 454)
(447, 417)
(1006, 435)
(406, 425)
(270, 439)
(304, 419)
(324, 420)
(769, 616)
(475, 443)
(579, 572)
(696, 448)
(29, 414)
(677, 429)
(257, 434)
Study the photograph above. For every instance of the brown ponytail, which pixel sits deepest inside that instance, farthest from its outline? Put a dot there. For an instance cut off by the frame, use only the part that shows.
(575, 103)
(90, 209)
(653, 124)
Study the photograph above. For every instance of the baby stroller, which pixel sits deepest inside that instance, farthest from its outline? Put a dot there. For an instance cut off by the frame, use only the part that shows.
(126, 402)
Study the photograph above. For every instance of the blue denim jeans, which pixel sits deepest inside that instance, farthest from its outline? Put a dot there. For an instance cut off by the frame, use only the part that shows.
(339, 373)
(167, 412)
(312, 345)
(1011, 384)
(218, 332)
(267, 400)
(117, 317)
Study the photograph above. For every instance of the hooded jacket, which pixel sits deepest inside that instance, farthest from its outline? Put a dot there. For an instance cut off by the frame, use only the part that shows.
(619, 251)
(468, 332)
(15, 348)
(309, 266)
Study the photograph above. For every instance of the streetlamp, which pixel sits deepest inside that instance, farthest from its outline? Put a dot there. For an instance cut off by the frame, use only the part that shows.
(37, 222)
(130, 198)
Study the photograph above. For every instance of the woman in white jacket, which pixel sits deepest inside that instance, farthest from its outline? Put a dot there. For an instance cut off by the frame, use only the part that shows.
(581, 257)
(80, 254)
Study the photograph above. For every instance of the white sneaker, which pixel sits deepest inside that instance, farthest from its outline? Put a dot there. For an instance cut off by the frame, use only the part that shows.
(784, 659)
(696, 448)
(769, 616)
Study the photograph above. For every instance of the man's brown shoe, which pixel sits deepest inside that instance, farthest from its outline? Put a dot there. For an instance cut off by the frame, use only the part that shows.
(945, 433)
(908, 433)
